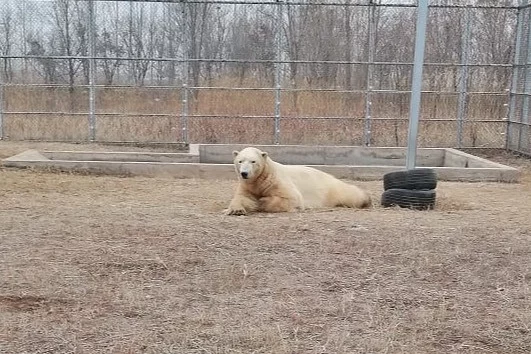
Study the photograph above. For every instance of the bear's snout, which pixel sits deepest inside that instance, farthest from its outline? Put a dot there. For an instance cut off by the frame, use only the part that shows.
(245, 175)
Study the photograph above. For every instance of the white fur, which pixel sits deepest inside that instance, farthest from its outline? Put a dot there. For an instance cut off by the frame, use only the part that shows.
(274, 187)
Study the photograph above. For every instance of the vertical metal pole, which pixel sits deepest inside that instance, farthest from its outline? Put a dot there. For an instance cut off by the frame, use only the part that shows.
(2, 103)
(92, 73)
(370, 59)
(416, 86)
(463, 85)
(524, 117)
(2, 106)
(278, 72)
(515, 74)
(186, 69)
(24, 36)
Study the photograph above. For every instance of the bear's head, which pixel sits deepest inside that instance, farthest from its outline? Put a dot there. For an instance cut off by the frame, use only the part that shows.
(250, 162)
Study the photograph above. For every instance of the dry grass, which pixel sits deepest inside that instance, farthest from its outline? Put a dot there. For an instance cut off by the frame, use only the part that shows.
(138, 265)
(134, 106)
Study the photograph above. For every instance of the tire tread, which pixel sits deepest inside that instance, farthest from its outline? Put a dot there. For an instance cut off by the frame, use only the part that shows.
(406, 198)
(417, 179)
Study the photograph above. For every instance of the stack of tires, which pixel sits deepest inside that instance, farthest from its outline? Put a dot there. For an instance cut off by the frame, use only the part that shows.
(414, 189)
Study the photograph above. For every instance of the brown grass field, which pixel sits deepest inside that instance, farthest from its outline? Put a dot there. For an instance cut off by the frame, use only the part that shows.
(99, 264)
(130, 114)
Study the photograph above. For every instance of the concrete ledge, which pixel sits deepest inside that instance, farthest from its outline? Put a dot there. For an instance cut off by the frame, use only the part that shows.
(507, 175)
(147, 169)
(456, 158)
(28, 155)
(121, 156)
(371, 173)
(226, 171)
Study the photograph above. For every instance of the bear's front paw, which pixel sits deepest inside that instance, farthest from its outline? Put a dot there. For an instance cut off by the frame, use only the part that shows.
(236, 211)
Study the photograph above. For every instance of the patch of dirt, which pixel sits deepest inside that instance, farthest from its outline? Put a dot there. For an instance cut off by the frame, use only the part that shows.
(28, 302)
(99, 264)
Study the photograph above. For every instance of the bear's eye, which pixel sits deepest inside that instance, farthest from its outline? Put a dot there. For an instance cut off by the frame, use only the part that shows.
(253, 161)
(240, 161)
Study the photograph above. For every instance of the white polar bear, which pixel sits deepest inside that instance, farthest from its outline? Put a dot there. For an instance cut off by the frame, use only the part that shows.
(268, 186)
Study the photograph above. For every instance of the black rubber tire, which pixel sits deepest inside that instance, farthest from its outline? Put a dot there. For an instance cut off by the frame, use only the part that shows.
(417, 179)
(407, 198)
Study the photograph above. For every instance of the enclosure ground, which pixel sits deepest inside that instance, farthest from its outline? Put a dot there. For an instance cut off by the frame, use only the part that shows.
(98, 264)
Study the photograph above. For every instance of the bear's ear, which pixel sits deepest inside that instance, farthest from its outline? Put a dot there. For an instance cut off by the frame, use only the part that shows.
(235, 153)
(264, 154)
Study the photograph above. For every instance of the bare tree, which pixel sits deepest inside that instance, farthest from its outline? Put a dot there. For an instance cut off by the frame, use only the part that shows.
(170, 30)
(492, 44)
(108, 47)
(214, 41)
(71, 33)
(48, 67)
(140, 40)
(6, 42)
(348, 50)
(297, 21)
(198, 16)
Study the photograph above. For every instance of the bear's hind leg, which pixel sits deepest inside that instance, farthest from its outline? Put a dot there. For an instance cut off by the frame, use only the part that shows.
(349, 196)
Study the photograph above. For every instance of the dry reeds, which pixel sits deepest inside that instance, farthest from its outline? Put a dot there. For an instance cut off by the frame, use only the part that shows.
(246, 116)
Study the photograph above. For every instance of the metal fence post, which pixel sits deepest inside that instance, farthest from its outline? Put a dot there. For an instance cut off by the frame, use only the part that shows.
(416, 85)
(463, 85)
(185, 74)
(92, 73)
(2, 103)
(2, 106)
(514, 80)
(278, 71)
(370, 59)
(526, 90)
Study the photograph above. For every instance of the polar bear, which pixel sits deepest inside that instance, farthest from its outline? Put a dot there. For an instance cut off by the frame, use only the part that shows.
(269, 186)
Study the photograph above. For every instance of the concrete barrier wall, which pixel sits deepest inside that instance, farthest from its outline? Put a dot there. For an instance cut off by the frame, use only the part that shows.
(325, 155)
(456, 158)
(458, 174)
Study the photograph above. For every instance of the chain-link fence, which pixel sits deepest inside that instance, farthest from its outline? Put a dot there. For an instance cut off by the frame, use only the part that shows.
(263, 71)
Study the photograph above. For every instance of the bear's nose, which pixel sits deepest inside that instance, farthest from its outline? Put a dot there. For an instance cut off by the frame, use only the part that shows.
(245, 175)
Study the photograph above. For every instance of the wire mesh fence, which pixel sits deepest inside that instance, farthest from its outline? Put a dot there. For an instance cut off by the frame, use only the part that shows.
(247, 71)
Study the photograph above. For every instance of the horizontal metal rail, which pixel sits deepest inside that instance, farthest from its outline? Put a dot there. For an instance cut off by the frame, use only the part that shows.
(174, 143)
(253, 61)
(226, 116)
(45, 113)
(527, 124)
(229, 88)
(318, 3)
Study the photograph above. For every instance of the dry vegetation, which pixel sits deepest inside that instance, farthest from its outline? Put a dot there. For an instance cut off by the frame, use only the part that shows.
(137, 265)
(131, 115)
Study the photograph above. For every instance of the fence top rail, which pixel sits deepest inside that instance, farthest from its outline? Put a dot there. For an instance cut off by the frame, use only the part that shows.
(367, 3)
(257, 61)
(245, 116)
(234, 88)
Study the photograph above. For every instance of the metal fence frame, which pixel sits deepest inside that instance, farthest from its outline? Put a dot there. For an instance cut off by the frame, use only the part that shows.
(518, 125)
(518, 97)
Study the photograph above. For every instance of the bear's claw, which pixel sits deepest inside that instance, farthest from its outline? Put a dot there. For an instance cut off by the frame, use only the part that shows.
(236, 212)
